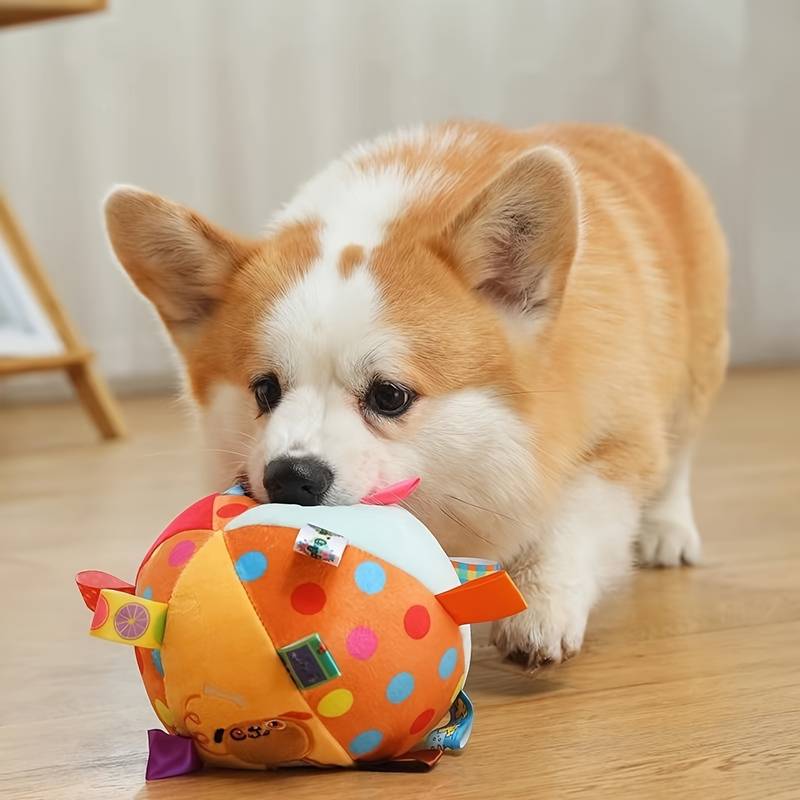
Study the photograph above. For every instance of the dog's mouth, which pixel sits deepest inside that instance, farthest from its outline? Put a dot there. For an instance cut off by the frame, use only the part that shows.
(243, 482)
(387, 495)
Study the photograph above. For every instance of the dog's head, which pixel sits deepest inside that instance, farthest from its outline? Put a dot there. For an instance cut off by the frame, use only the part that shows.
(381, 328)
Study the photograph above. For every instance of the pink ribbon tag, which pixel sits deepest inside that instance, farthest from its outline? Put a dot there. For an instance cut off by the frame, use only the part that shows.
(91, 581)
(392, 494)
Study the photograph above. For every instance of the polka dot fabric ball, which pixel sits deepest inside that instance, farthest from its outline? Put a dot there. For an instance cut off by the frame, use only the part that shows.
(239, 597)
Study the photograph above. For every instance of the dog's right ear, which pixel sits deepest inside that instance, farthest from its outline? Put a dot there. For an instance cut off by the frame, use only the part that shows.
(177, 259)
(516, 241)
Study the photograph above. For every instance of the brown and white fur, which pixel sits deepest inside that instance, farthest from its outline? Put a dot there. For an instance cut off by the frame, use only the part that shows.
(556, 299)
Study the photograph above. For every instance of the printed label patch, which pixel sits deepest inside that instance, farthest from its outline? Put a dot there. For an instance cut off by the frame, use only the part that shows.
(320, 544)
(309, 662)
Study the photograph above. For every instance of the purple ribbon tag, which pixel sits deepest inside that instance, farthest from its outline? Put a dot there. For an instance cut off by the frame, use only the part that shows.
(170, 756)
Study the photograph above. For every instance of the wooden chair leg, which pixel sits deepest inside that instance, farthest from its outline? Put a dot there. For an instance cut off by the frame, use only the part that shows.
(97, 399)
(75, 358)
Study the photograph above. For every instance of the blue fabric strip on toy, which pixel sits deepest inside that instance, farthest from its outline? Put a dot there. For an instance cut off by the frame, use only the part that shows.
(454, 735)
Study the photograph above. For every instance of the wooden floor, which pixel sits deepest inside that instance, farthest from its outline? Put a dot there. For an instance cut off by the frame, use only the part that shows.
(688, 687)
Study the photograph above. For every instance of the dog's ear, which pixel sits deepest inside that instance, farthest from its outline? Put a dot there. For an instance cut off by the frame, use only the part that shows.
(176, 258)
(516, 241)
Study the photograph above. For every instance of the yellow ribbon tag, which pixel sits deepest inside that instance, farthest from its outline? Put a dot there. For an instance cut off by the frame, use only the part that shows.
(127, 619)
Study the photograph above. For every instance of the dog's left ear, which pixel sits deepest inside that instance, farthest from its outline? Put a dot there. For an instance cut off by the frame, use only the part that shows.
(177, 259)
(516, 241)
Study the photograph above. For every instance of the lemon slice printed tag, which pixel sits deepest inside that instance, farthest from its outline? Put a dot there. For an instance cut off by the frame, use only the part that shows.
(124, 618)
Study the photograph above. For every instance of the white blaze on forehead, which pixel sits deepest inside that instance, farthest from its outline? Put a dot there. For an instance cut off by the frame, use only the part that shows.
(326, 320)
(355, 200)
(356, 197)
(327, 327)
(355, 205)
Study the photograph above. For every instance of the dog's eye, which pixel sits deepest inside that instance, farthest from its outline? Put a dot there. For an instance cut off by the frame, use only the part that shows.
(389, 399)
(267, 391)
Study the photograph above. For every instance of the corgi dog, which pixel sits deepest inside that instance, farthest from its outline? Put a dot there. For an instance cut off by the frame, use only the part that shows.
(533, 321)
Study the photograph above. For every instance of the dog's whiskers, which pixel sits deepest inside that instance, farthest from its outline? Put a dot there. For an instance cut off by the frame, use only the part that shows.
(194, 451)
(238, 432)
(450, 515)
(530, 391)
(491, 511)
(447, 513)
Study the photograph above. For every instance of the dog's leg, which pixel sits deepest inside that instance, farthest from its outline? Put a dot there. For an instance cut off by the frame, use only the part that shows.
(669, 535)
(566, 568)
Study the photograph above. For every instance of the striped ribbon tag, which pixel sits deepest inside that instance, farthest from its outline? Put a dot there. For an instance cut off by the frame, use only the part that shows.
(468, 569)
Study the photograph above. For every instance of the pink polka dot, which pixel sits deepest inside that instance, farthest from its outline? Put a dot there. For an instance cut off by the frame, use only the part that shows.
(181, 553)
(231, 510)
(308, 598)
(417, 622)
(361, 643)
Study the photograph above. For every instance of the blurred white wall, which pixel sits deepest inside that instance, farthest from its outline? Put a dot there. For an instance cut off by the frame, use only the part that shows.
(228, 105)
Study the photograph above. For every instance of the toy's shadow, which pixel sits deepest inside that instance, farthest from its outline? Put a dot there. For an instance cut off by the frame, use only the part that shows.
(223, 779)
(507, 680)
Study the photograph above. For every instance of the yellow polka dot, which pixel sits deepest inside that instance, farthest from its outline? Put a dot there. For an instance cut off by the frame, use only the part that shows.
(164, 714)
(335, 703)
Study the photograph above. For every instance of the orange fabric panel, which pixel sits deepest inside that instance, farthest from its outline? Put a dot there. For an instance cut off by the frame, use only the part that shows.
(196, 517)
(156, 580)
(159, 574)
(399, 652)
(483, 600)
(228, 506)
(222, 671)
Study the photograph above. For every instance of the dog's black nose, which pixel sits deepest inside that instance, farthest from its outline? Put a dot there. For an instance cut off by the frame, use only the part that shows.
(301, 481)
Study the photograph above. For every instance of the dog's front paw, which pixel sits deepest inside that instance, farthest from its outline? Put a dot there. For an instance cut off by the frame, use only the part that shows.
(667, 543)
(549, 631)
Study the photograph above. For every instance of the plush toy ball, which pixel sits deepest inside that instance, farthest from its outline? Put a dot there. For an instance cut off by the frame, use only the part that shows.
(271, 635)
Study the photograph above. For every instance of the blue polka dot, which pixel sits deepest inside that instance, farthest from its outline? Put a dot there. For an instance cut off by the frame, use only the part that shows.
(148, 593)
(400, 687)
(370, 577)
(447, 663)
(251, 566)
(366, 742)
(156, 656)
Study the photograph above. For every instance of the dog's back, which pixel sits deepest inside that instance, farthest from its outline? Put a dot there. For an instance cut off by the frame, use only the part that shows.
(643, 322)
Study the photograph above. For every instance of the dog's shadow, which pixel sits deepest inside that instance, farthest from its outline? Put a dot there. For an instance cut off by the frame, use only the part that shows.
(490, 675)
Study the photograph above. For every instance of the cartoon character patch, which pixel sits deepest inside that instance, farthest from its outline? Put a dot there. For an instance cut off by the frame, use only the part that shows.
(268, 742)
